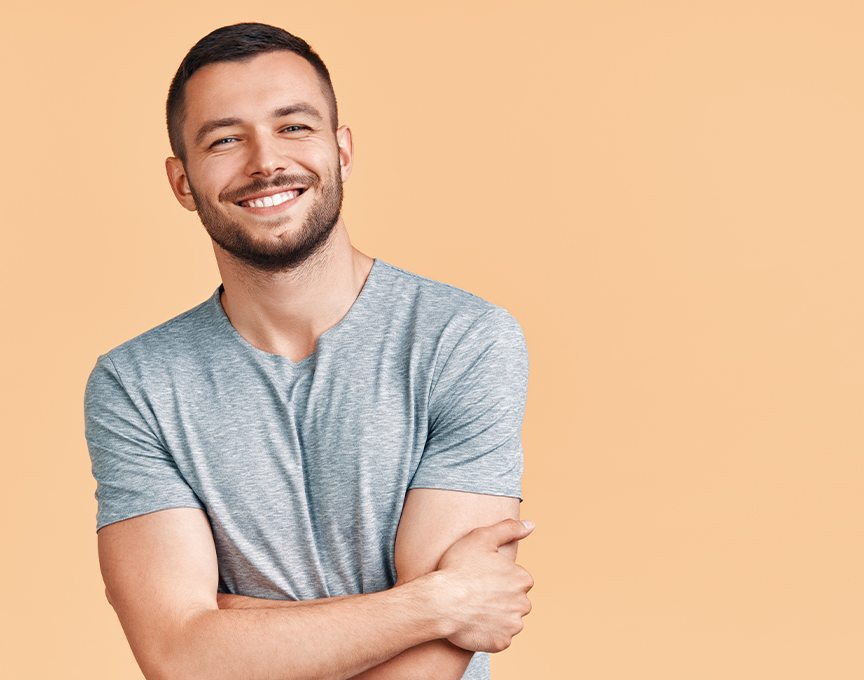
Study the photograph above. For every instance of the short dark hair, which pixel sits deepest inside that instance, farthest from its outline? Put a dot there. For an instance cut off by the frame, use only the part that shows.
(237, 42)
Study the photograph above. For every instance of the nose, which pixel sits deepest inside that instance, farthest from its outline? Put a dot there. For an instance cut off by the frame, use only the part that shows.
(265, 158)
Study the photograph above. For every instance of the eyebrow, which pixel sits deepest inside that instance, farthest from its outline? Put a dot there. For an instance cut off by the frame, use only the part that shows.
(281, 112)
(302, 107)
(212, 125)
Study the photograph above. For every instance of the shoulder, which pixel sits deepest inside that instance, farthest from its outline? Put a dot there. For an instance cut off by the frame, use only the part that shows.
(469, 340)
(169, 345)
(409, 283)
(444, 310)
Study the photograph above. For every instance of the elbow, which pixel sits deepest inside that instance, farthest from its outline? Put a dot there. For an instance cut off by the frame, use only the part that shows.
(175, 655)
(159, 665)
(174, 666)
(155, 669)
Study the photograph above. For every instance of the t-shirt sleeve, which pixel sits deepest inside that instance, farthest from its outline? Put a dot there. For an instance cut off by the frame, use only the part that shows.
(476, 408)
(134, 472)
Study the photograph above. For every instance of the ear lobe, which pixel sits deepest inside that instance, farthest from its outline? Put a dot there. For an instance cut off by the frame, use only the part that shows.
(179, 181)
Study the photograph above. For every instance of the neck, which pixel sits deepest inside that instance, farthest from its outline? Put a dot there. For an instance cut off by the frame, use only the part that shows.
(286, 312)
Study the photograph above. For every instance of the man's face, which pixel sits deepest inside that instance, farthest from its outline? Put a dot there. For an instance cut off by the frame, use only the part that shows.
(263, 167)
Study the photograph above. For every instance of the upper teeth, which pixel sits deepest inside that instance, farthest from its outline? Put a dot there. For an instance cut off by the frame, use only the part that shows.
(268, 201)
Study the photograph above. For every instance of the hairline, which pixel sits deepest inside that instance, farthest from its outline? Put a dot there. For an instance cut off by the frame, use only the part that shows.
(326, 89)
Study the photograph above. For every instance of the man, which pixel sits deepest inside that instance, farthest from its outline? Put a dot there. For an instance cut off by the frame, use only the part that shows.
(316, 472)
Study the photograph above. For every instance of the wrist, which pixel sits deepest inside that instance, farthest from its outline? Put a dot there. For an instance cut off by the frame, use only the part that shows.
(432, 593)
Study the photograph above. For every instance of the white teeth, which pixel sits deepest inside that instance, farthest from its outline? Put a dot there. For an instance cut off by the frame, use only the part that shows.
(269, 201)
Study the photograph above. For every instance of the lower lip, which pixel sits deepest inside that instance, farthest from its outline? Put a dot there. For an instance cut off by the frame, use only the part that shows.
(273, 209)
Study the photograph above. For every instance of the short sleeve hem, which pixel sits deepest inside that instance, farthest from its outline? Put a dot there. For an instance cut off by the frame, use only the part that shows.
(129, 513)
(467, 487)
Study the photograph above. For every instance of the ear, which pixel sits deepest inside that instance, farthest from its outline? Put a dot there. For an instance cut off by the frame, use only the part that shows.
(346, 151)
(179, 182)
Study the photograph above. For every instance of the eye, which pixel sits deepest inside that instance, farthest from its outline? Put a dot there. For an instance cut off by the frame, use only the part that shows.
(222, 141)
(294, 128)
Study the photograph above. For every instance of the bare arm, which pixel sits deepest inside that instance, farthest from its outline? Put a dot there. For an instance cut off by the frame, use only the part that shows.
(432, 521)
(160, 571)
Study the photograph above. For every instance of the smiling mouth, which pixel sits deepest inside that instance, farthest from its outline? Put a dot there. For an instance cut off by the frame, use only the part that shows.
(271, 200)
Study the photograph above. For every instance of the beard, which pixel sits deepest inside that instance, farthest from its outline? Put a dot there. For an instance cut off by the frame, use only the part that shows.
(289, 251)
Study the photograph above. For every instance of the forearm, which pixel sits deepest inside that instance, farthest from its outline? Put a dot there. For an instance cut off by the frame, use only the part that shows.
(435, 660)
(161, 575)
(333, 639)
(230, 601)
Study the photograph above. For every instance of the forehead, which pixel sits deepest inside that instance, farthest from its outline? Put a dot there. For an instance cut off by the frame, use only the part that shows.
(252, 89)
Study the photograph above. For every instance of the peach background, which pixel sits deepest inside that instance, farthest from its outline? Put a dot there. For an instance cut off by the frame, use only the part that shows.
(666, 194)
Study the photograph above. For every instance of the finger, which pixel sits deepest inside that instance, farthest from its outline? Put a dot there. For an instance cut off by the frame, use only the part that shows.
(506, 531)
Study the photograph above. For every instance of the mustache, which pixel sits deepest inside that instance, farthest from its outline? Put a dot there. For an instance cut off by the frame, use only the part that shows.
(261, 184)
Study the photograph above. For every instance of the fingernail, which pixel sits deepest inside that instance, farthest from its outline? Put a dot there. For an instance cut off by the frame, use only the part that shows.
(528, 523)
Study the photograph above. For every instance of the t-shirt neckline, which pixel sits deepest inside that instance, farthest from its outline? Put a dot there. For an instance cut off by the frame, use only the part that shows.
(360, 302)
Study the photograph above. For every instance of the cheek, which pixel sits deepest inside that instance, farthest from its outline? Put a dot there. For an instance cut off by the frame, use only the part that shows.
(313, 153)
(216, 175)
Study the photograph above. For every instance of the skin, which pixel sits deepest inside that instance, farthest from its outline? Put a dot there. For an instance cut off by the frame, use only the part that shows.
(281, 312)
(289, 273)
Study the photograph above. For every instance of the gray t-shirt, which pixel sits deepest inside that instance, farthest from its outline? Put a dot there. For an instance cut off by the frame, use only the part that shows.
(302, 467)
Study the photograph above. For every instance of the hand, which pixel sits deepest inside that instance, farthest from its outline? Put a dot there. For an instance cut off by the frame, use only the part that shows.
(490, 590)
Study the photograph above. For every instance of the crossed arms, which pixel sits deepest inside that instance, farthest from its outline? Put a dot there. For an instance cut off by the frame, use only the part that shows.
(456, 593)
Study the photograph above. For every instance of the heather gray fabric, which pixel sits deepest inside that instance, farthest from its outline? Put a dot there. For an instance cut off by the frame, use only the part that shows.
(302, 467)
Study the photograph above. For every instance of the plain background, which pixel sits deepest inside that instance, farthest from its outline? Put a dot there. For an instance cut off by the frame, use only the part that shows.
(667, 195)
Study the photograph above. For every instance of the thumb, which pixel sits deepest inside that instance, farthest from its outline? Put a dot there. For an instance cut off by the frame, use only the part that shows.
(507, 530)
